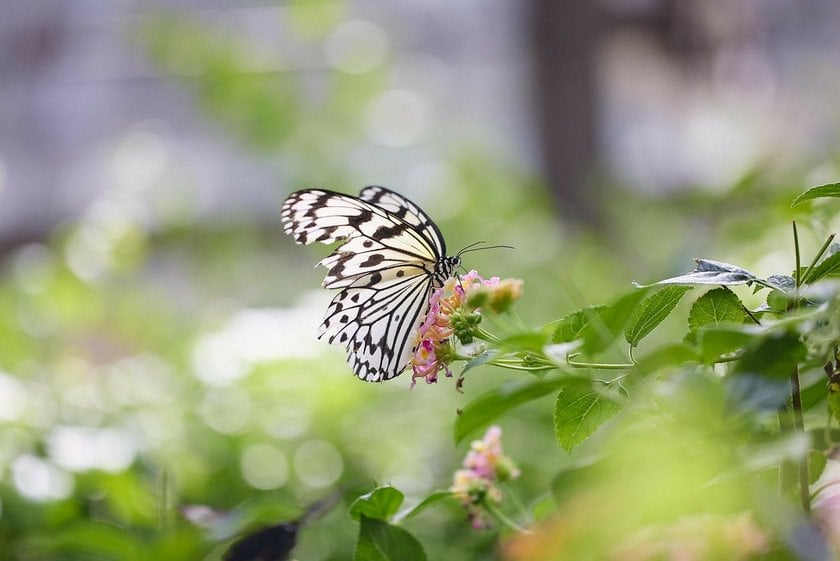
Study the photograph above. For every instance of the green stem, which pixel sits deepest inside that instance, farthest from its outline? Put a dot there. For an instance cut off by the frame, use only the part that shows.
(598, 365)
(799, 426)
(486, 335)
(798, 271)
(807, 273)
(503, 519)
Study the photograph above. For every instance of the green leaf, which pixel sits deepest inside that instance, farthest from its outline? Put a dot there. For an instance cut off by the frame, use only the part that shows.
(527, 341)
(774, 355)
(716, 342)
(381, 503)
(830, 266)
(379, 541)
(478, 360)
(830, 190)
(578, 412)
(816, 464)
(433, 498)
(710, 272)
(598, 326)
(717, 307)
(571, 327)
(669, 356)
(652, 311)
(489, 406)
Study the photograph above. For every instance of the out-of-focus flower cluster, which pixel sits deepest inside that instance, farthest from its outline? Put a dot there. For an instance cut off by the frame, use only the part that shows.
(485, 466)
(455, 309)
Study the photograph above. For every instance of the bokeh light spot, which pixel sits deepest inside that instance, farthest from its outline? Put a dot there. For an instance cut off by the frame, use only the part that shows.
(397, 118)
(264, 466)
(356, 46)
(39, 480)
(13, 398)
(318, 464)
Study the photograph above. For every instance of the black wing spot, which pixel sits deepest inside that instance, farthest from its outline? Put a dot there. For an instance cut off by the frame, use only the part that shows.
(363, 217)
(375, 278)
(344, 319)
(400, 273)
(367, 243)
(373, 260)
(385, 232)
(355, 298)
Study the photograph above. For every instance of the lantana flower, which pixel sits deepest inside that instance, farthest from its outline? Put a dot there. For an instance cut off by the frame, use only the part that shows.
(455, 310)
(485, 466)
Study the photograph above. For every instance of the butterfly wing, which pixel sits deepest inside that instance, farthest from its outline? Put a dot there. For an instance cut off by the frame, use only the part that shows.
(384, 269)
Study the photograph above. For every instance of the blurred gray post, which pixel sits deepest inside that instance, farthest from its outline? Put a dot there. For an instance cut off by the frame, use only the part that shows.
(563, 41)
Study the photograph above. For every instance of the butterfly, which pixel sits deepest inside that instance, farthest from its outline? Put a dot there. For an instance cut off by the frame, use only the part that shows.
(392, 256)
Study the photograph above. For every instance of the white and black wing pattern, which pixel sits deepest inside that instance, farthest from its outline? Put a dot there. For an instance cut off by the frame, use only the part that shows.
(391, 258)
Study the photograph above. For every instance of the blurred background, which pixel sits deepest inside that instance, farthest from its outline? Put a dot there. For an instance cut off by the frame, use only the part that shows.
(157, 335)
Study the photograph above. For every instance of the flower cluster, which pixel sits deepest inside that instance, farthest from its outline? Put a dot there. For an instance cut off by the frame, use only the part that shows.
(454, 309)
(476, 486)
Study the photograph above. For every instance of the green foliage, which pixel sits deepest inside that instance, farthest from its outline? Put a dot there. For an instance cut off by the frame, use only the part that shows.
(380, 541)
(652, 311)
(717, 307)
(578, 412)
(381, 503)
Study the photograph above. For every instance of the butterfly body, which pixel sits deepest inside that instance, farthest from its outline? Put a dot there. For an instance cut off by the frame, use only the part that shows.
(392, 256)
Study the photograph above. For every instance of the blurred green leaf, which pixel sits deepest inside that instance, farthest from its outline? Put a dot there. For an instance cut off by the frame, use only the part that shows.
(379, 541)
(668, 356)
(717, 342)
(527, 341)
(431, 499)
(717, 307)
(480, 359)
(597, 326)
(578, 412)
(774, 356)
(652, 311)
(491, 405)
(381, 503)
(829, 190)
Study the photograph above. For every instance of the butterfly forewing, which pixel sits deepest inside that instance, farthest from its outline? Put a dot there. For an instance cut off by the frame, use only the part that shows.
(391, 258)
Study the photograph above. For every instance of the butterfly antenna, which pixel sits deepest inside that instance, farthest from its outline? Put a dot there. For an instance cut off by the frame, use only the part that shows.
(472, 247)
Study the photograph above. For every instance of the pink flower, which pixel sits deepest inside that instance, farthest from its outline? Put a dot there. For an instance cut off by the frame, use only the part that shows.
(485, 466)
(454, 310)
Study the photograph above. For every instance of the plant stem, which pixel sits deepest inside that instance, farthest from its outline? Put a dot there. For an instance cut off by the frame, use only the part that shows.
(502, 519)
(813, 264)
(798, 271)
(599, 365)
(799, 426)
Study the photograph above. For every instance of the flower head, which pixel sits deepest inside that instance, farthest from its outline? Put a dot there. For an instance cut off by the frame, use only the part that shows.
(455, 310)
(485, 466)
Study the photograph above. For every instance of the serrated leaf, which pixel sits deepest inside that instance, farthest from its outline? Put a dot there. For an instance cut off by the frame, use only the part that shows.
(571, 327)
(597, 327)
(710, 272)
(433, 498)
(381, 503)
(774, 356)
(491, 405)
(379, 541)
(578, 412)
(829, 190)
(652, 311)
(717, 307)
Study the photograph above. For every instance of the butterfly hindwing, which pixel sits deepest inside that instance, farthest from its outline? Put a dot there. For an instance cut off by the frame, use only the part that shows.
(385, 269)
